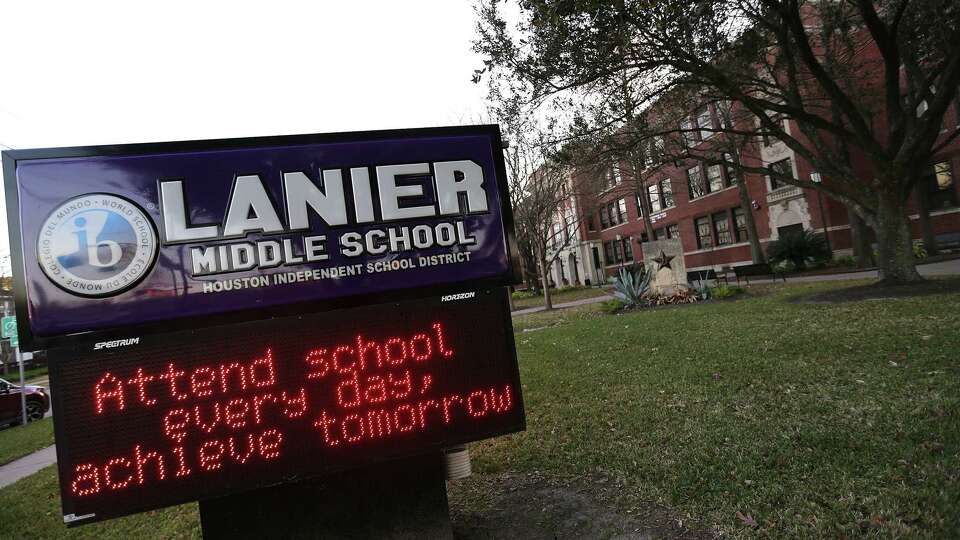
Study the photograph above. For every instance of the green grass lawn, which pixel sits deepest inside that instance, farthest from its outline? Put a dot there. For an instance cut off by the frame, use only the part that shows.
(559, 297)
(30, 374)
(13, 375)
(813, 420)
(18, 441)
(31, 509)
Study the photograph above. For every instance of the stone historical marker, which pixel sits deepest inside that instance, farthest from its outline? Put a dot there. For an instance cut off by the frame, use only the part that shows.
(665, 259)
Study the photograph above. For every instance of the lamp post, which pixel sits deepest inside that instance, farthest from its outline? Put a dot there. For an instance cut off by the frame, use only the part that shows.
(817, 179)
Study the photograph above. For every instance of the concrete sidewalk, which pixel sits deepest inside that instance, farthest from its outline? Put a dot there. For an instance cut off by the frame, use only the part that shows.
(27, 465)
(575, 303)
(943, 268)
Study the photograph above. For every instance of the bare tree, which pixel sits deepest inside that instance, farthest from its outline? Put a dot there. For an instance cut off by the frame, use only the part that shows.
(542, 190)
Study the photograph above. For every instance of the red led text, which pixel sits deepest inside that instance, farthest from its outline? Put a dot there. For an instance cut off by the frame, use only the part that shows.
(237, 414)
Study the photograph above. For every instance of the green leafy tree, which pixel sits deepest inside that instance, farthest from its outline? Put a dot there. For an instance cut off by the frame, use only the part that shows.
(874, 76)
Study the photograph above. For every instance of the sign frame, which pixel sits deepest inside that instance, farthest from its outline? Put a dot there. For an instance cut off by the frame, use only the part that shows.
(497, 294)
(30, 341)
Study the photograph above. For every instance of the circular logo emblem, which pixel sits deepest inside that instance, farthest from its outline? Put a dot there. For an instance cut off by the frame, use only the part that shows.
(97, 245)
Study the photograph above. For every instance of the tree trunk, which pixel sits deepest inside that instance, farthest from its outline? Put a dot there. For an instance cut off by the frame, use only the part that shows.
(545, 280)
(644, 203)
(895, 259)
(926, 226)
(860, 239)
(756, 252)
(529, 268)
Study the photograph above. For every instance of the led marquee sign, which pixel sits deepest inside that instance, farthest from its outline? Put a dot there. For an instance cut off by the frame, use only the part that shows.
(177, 235)
(158, 420)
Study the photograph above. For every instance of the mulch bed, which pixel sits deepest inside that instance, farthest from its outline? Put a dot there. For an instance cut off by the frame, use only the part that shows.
(876, 291)
(537, 505)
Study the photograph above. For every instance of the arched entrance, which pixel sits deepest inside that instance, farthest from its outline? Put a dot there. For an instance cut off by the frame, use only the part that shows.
(789, 222)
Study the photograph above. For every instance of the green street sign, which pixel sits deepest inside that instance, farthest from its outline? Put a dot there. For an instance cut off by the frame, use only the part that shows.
(8, 327)
(14, 341)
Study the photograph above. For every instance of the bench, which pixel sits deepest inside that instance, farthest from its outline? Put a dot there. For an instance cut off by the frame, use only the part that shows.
(753, 270)
(706, 275)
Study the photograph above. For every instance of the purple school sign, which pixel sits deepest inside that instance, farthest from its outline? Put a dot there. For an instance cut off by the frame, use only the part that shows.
(106, 239)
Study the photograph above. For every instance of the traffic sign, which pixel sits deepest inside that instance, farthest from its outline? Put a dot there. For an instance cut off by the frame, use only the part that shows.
(14, 341)
(8, 327)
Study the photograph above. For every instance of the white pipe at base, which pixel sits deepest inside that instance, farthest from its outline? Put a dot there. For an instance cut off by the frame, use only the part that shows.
(457, 462)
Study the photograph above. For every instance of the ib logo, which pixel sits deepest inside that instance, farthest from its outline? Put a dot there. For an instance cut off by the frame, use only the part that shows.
(97, 245)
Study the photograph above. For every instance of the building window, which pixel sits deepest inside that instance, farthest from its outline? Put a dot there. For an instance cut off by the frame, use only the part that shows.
(770, 139)
(659, 234)
(699, 186)
(673, 231)
(695, 184)
(725, 113)
(653, 194)
(704, 233)
(705, 123)
(740, 225)
(608, 253)
(639, 206)
(689, 135)
(721, 224)
(784, 167)
(613, 176)
(627, 250)
(659, 149)
(666, 193)
(942, 188)
(730, 170)
(591, 224)
(714, 177)
(613, 213)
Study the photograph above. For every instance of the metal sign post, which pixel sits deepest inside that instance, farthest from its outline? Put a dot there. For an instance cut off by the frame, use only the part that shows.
(23, 392)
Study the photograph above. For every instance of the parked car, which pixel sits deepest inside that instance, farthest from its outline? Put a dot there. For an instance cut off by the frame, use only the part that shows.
(38, 403)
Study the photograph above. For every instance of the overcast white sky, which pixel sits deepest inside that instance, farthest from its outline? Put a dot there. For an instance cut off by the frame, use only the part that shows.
(84, 73)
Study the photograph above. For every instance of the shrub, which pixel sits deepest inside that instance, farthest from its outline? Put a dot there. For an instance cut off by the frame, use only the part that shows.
(612, 307)
(682, 296)
(528, 293)
(800, 249)
(631, 284)
(846, 260)
(725, 291)
(703, 286)
(919, 251)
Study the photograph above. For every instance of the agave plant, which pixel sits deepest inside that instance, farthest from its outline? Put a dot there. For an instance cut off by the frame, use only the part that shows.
(631, 284)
